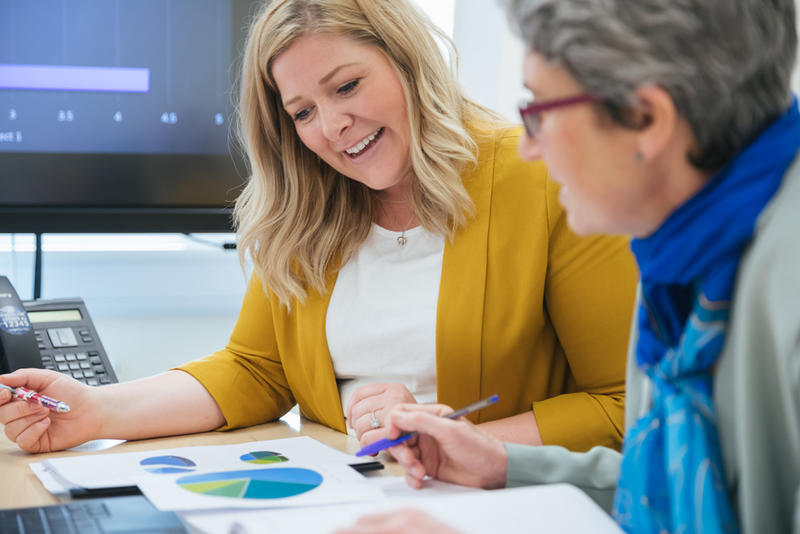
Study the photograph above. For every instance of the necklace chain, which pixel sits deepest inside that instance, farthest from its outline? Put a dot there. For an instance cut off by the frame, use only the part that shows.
(402, 239)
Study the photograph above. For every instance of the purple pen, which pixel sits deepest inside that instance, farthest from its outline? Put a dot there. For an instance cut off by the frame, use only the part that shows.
(382, 444)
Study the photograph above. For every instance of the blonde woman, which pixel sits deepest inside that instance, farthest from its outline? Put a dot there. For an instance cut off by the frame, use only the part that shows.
(402, 252)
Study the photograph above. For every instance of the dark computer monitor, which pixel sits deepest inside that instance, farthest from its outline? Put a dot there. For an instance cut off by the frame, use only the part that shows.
(116, 115)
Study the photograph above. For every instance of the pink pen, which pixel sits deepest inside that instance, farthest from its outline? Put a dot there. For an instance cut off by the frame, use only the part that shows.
(32, 396)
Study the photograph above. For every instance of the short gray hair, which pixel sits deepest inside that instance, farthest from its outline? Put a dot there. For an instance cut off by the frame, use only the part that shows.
(727, 64)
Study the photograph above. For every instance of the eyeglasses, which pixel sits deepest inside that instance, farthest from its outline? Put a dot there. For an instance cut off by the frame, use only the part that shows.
(531, 111)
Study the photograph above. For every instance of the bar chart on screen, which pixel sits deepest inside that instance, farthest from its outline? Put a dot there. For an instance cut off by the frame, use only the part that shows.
(115, 76)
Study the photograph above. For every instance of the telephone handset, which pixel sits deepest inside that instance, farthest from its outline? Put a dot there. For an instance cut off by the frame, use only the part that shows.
(18, 347)
(55, 334)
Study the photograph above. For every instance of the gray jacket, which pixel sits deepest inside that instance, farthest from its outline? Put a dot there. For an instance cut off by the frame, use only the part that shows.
(756, 388)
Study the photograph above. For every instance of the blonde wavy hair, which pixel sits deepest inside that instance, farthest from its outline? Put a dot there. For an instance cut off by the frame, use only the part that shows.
(299, 219)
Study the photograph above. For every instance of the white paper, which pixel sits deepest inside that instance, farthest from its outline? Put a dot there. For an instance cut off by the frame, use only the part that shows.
(124, 469)
(558, 508)
(393, 488)
(397, 488)
(45, 476)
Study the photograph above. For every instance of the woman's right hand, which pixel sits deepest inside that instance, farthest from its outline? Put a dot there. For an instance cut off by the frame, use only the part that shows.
(34, 428)
(446, 449)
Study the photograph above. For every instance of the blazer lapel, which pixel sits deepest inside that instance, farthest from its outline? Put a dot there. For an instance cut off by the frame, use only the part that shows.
(323, 403)
(459, 324)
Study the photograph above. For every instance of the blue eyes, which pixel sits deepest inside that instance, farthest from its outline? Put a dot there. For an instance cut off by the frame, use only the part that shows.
(344, 90)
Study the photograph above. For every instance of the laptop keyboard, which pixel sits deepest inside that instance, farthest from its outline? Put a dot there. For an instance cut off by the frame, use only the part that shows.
(74, 518)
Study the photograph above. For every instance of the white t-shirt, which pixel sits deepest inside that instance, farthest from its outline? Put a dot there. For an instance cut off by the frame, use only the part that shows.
(381, 320)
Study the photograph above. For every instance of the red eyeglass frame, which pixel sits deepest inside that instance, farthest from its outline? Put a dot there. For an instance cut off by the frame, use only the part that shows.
(534, 109)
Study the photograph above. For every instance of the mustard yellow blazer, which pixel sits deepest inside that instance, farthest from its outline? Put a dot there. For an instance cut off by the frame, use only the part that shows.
(526, 310)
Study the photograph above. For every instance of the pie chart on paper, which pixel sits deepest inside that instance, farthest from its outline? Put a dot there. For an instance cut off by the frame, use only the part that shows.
(271, 483)
(263, 457)
(167, 464)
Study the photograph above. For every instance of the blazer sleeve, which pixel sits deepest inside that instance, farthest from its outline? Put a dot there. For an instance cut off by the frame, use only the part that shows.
(589, 297)
(596, 472)
(247, 379)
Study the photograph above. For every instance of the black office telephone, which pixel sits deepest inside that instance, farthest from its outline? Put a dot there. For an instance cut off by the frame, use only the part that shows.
(55, 334)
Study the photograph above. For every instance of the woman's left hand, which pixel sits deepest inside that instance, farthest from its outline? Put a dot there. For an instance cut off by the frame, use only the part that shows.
(374, 399)
(405, 521)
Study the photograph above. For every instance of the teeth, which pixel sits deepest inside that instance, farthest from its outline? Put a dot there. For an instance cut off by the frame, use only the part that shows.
(362, 144)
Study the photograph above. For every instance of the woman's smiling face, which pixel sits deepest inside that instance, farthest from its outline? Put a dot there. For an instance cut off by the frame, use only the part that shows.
(348, 107)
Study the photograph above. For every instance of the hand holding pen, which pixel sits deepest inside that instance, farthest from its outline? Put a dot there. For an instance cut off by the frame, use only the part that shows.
(382, 444)
(451, 450)
(38, 425)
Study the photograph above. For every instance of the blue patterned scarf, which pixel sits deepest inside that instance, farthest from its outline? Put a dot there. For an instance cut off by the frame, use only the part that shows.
(673, 477)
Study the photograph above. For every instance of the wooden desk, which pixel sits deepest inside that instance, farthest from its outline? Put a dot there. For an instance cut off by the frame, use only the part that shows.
(20, 487)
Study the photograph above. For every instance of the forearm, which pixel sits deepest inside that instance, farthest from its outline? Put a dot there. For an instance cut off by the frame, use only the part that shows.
(167, 404)
(521, 428)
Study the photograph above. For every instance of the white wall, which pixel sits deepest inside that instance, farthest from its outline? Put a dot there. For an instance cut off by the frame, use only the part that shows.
(490, 65)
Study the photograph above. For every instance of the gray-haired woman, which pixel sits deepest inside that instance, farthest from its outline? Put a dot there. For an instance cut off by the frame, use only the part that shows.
(673, 122)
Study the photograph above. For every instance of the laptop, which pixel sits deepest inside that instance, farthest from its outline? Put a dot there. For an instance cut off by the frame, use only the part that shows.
(117, 515)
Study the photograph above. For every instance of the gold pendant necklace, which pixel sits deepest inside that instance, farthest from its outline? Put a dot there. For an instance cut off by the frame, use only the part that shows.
(402, 239)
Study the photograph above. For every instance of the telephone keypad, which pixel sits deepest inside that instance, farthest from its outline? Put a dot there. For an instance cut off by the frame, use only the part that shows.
(59, 336)
(87, 369)
(86, 366)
